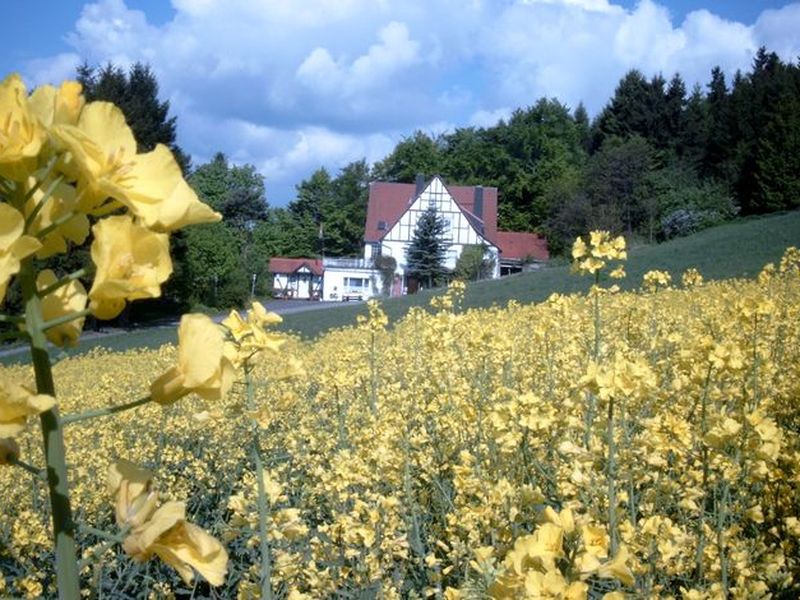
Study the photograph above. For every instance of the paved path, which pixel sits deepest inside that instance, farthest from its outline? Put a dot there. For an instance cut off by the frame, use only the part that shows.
(281, 307)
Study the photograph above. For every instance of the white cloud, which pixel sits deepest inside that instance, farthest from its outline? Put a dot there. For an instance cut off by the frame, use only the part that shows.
(53, 69)
(291, 86)
(489, 118)
(780, 30)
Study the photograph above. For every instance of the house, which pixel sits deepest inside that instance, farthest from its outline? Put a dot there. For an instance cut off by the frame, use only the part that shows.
(299, 278)
(469, 212)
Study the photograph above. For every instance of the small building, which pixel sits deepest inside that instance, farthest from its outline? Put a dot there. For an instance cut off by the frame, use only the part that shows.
(350, 279)
(297, 278)
(393, 209)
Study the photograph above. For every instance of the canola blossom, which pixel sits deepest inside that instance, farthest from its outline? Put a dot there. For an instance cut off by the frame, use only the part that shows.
(65, 166)
(453, 454)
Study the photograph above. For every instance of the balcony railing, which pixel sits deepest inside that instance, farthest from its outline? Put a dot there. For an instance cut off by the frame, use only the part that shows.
(347, 263)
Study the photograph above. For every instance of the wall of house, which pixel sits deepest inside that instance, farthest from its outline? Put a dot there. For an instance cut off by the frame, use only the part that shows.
(301, 285)
(460, 232)
(340, 283)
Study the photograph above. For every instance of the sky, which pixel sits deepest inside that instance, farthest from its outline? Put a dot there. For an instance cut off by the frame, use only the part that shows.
(291, 86)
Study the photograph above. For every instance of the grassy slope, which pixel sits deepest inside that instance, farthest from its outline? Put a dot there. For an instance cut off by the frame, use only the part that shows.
(737, 249)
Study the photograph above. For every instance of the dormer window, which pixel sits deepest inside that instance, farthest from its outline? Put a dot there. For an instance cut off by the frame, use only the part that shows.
(381, 225)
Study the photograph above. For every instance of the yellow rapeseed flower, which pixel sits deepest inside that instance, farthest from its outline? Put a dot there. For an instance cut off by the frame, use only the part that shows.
(209, 373)
(68, 299)
(14, 246)
(132, 263)
(62, 202)
(150, 185)
(180, 544)
(17, 403)
(21, 136)
(61, 106)
(132, 489)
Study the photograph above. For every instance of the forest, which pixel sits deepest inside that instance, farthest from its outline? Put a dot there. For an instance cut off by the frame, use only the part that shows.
(658, 161)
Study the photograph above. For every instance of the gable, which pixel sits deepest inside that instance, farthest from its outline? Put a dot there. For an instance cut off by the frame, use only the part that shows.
(388, 202)
(462, 227)
(283, 265)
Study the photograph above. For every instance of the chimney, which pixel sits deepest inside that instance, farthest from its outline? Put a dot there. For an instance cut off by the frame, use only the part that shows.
(477, 206)
(420, 183)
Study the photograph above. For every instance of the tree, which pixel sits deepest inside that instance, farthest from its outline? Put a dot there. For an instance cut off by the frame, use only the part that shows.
(426, 254)
(474, 263)
(387, 265)
(615, 174)
(343, 219)
(219, 260)
(419, 153)
(136, 94)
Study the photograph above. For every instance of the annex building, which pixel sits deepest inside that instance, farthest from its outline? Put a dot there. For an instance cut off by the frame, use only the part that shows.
(393, 209)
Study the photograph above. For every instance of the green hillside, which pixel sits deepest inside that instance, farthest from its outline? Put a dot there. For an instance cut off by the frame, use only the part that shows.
(738, 249)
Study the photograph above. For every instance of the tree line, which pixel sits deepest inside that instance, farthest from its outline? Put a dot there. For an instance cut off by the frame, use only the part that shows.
(658, 161)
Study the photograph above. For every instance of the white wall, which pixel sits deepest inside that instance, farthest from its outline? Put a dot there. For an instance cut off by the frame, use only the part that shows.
(459, 234)
(339, 281)
(297, 282)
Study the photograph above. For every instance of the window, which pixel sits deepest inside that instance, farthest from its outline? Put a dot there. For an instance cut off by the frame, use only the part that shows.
(356, 283)
(381, 225)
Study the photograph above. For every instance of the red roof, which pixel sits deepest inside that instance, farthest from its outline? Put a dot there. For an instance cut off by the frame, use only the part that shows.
(290, 265)
(518, 245)
(389, 201)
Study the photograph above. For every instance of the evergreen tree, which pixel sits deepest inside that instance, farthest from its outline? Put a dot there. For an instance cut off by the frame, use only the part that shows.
(426, 254)
(675, 106)
(718, 149)
(691, 145)
(136, 94)
(582, 126)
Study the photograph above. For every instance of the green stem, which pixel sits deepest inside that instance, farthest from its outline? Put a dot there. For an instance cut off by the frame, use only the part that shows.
(612, 482)
(65, 319)
(48, 169)
(11, 319)
(55, 225)
(99, 533)
(67, 576)
(62, 282)
(48, 193)
(263, 508)
(103, 412)
(13, 460)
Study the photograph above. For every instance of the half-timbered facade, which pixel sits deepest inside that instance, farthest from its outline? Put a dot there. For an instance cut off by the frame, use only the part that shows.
(393, 210)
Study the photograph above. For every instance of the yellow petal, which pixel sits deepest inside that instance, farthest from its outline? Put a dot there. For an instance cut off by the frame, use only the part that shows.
(186, 547)
(131, 487)
(200, 349)
(17, 403)
(68, 299)
(138, 544)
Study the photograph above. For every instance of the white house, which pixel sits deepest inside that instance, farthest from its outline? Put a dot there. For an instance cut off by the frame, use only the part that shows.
(296, 278)
(470, 213)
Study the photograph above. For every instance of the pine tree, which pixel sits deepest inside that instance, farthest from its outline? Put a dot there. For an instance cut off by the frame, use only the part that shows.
(425, 255)
(136, 94)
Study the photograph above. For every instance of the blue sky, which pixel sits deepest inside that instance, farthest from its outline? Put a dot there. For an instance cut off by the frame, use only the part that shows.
(292, 86)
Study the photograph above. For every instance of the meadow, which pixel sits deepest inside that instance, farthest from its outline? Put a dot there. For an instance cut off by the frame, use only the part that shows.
(609, 444)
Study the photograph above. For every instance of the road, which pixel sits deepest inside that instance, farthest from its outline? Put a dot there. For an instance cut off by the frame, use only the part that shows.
(281, 307)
